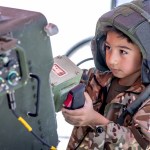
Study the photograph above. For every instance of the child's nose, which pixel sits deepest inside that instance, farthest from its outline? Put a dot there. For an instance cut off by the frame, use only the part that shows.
(113, 59)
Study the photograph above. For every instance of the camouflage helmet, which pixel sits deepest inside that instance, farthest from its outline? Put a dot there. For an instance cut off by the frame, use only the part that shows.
(133, 19)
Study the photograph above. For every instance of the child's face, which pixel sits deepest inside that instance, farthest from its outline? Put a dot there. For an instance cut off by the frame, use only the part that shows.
(123, 58)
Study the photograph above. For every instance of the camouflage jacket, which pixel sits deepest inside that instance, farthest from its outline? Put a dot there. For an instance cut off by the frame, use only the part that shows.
(113, 136)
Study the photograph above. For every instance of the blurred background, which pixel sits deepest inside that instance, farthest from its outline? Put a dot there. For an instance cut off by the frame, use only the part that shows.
(76, 21)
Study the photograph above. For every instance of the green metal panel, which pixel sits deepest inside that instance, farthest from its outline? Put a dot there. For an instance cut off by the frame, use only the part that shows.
(28, 28)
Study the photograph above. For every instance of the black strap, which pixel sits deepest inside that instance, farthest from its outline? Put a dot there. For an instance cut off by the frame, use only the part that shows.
(135, 105)
(131, 110)
(104, 92)
(87, 131)
(142, 142)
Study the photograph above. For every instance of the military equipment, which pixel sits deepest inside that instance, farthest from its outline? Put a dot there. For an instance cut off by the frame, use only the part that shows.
(25, 63)
(75, 98)
(64, 76)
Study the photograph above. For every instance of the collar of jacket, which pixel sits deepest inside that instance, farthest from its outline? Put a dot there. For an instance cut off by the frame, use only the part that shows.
(105, 78)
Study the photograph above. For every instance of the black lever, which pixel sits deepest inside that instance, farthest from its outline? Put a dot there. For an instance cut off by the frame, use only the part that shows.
(38, 96)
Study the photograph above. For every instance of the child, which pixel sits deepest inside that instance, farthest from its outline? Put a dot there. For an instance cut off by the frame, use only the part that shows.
(121, 51)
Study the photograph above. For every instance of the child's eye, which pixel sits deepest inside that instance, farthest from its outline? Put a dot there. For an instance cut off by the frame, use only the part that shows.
(107, 47)
(123, 52)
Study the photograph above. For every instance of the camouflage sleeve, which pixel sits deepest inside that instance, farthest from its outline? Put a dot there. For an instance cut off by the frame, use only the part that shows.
(142, 119)
(121, 135)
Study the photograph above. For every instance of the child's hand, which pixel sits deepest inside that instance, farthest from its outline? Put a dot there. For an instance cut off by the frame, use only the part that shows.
(85, 116)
